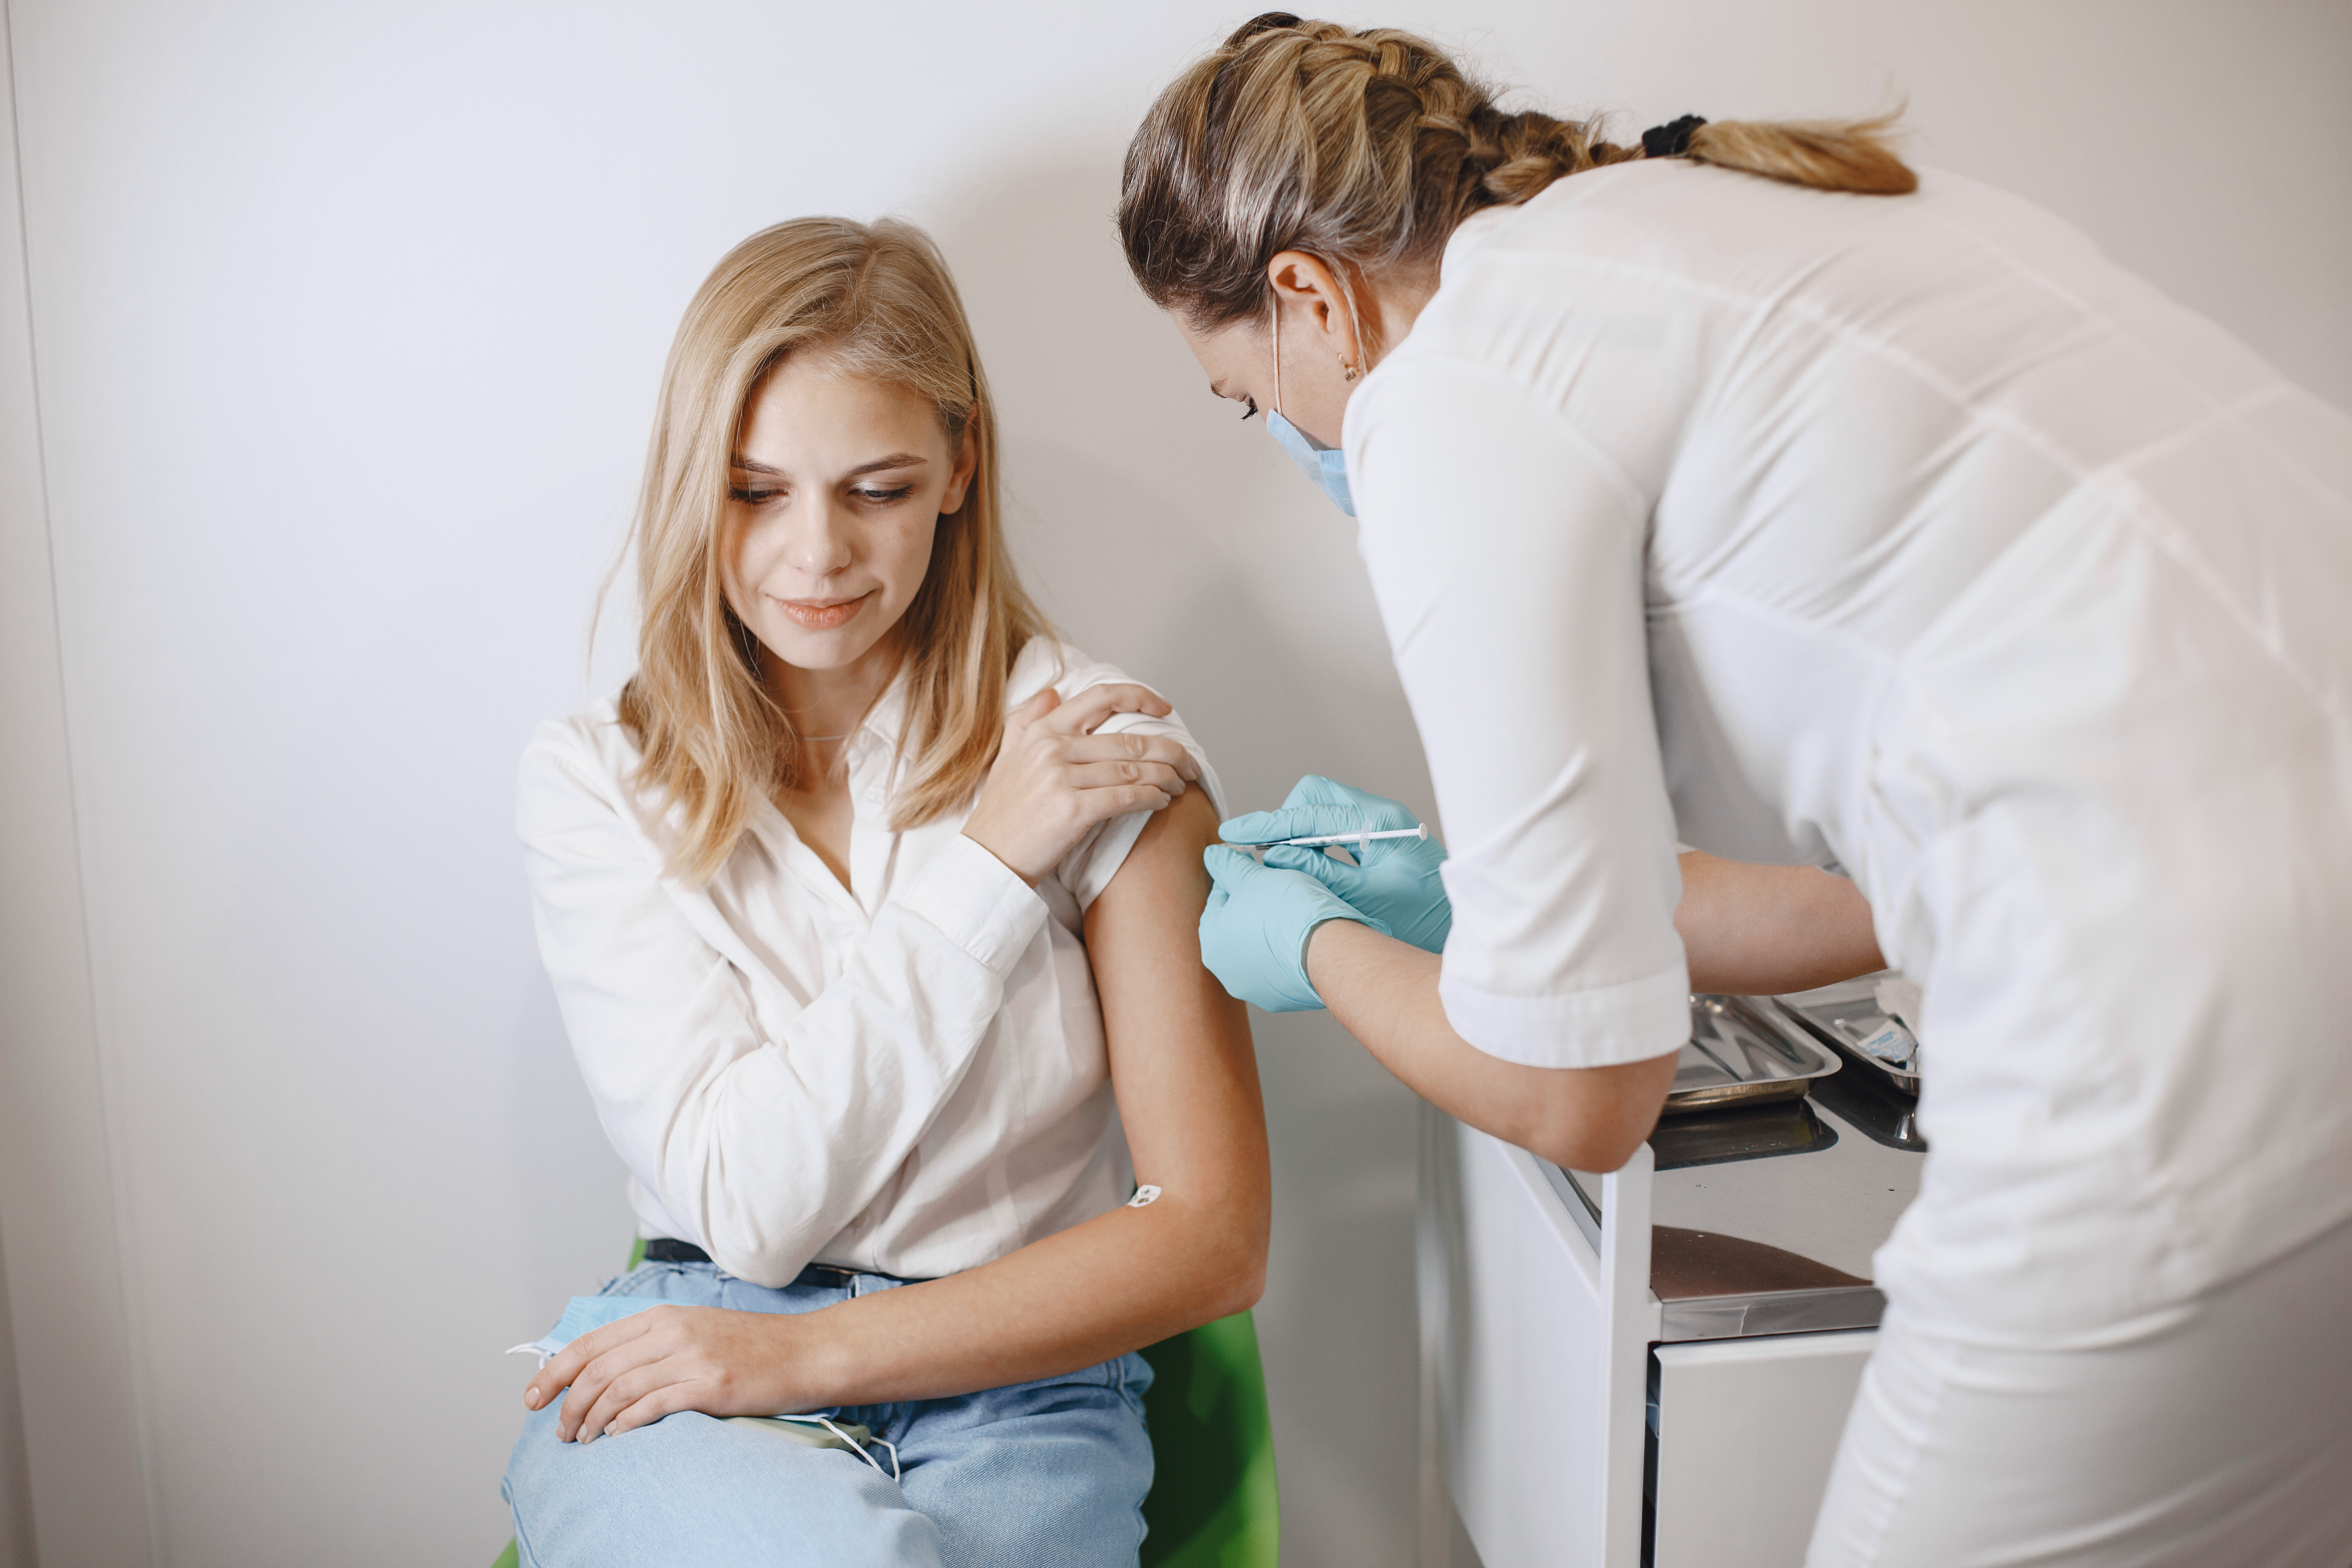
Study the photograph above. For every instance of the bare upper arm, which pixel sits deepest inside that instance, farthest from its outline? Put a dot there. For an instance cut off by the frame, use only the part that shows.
(1181, 1058)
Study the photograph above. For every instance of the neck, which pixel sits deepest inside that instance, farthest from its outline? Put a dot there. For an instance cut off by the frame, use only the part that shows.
(1394, 301)
(830, 701)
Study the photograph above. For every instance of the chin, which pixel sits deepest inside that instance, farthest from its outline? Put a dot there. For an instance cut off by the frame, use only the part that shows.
(804, 649)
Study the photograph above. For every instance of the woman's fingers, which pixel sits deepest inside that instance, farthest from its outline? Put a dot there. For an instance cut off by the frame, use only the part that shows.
(600, 1400)
(666, 1400)
(564, 1367)
(1107, 775)
(607, 1354)
(673, 1376)
(1056, 777)
(587, 1388)
(1159, 748)
(1037, 708)
(1089, 707)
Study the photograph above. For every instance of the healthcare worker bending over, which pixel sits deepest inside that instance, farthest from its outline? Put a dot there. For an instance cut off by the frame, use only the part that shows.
(1753, 492)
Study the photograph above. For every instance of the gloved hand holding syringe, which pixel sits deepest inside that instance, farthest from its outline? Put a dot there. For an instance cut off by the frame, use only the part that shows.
(1255, 931)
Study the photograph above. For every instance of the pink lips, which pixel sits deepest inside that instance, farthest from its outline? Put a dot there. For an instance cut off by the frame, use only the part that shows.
(822, 614)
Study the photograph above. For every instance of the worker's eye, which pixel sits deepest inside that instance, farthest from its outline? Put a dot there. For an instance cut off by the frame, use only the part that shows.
(874, 497)
(751, 497)
(1249, 411)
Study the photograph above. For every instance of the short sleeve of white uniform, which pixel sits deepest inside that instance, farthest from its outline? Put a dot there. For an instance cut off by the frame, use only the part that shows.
(1507, 557)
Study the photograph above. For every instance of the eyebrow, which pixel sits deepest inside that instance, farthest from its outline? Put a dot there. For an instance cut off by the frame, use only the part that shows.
(895, 461)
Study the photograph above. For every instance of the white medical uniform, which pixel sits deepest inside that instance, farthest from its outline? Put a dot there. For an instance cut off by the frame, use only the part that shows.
(905, 1076)
(1912, 537)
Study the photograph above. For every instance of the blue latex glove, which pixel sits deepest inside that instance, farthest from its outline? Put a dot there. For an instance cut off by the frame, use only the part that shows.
(1397, 882)
(1254, 933)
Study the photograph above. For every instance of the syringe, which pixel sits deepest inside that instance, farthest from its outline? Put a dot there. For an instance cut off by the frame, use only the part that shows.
(1418, 830)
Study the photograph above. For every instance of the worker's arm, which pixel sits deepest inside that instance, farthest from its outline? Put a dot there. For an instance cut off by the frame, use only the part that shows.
(1748, 929)
(1760, 931)
(1304, 928)
(1384, 992)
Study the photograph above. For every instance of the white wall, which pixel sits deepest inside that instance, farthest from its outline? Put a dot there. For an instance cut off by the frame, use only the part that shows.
(347, 321)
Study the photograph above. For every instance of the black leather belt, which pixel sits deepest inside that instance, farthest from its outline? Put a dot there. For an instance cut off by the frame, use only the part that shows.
(666, 1249)
(662, 1249)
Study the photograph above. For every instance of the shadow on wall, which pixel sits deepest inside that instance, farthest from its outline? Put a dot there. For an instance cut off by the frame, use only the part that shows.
(1160, 533)
(1163, 535)
(576, 1226)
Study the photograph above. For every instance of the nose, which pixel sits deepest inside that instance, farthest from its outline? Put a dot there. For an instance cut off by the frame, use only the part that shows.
(818, 539)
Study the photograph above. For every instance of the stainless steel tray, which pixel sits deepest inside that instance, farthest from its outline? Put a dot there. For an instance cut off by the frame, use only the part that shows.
(1844, 1015)
(1737, 1057)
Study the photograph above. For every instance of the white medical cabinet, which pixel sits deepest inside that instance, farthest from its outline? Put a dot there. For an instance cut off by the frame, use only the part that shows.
(1652, 1369)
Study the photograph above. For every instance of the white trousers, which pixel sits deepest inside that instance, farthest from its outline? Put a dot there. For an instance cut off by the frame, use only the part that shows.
(2217, 1433)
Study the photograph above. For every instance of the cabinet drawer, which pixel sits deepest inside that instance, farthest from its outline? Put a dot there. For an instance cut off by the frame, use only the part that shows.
(1745, 1431)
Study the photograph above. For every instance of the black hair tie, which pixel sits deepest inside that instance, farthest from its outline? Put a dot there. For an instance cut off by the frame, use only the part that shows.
(1671, 140)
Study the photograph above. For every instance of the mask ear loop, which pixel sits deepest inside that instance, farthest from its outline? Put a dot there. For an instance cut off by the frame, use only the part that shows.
(1356, 321)
(1276, 303)
(1355, 318)
(853, 1445)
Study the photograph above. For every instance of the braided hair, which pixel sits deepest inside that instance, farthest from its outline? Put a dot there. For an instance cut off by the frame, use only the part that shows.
(1368, 149)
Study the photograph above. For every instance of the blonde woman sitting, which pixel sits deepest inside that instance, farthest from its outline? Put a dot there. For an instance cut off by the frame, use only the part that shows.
(871, 909)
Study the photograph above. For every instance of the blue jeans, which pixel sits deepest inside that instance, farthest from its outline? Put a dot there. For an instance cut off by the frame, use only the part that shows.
(1050, 1474)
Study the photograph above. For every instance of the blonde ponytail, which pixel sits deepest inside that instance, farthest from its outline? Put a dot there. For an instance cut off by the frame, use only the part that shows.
(1822, 155)
(1368, 149)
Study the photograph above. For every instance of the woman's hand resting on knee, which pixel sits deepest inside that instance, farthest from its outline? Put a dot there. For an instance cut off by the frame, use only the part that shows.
(1055, 778)
(665, 1358)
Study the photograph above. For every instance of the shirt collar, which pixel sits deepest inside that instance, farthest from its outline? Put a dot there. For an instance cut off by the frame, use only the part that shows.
(886, 719)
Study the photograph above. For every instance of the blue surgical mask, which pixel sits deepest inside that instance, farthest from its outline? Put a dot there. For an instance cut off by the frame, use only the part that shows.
(1327, 466)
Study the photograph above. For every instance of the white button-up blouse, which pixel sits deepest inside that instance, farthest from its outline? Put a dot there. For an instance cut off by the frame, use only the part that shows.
(906, 1076)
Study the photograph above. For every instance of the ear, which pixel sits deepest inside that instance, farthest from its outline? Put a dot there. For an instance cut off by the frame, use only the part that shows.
(967, 464)
(1308, 292)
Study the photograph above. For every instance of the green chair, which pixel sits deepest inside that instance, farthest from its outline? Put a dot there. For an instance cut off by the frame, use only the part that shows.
(1212, 1502)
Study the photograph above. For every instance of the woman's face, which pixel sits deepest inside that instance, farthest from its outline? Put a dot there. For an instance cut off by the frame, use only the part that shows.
(1322, 339)
(835, 489)
(1239, 358)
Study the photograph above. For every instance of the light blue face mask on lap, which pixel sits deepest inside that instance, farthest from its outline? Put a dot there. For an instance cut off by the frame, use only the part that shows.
(1327, 466)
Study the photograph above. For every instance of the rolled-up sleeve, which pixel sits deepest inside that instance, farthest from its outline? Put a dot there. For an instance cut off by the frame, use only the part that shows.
(1506, 555)
(1090, 864)
(761, 1121)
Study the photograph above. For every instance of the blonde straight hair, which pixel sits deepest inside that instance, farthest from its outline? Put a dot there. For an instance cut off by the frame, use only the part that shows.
(1368, 149)
(875, 301)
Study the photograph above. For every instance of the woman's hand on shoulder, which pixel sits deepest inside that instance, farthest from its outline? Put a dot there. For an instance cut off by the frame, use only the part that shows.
(651, 1364)
(1054, 779)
